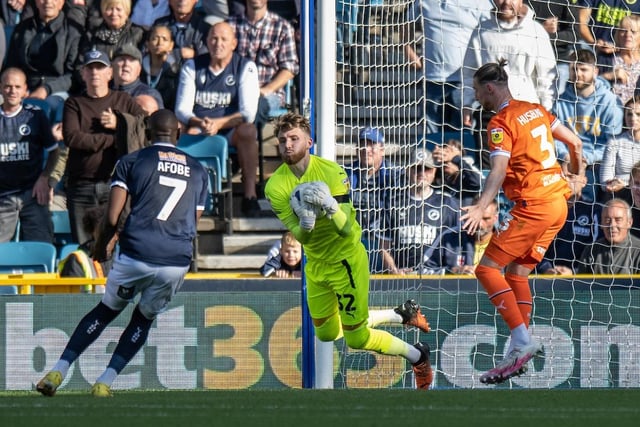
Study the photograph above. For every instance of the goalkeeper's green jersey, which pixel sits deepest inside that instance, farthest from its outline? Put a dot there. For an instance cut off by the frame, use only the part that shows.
(325, 243)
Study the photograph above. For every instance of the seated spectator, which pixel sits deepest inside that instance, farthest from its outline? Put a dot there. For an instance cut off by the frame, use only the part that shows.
(218, 10)
(127, 64)
(160, 68)
(481, 237)
(80, 263)
(45, 47)
(14, 12)
(618, 252)
(371, 178)
(591, 111)
(581, 229)
(146, 12)
(284, 259)
(622, 68)
(268, 40)
(147, 102)
(115, 30)
(424, 234)
(634, 186)
(218, 95)
(620, 154)
(188, 27)
(456, 174)
(25, 136)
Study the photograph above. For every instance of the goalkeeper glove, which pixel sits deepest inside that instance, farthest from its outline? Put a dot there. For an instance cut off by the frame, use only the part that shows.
(305, 213)
(318, 194)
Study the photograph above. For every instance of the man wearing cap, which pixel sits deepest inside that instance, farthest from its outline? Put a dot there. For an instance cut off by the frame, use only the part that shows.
(89, 130)
(371, 179)
(127, 66)
(424, 236)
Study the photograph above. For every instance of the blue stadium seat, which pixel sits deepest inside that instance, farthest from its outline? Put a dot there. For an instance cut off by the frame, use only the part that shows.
(26, 257)
(61, 228)
(212, 151)
(66, 250)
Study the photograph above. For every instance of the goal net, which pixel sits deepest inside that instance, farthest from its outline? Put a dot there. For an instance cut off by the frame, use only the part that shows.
(589, 326)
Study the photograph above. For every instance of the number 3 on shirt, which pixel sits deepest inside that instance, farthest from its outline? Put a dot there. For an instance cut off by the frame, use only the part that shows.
(540, 133)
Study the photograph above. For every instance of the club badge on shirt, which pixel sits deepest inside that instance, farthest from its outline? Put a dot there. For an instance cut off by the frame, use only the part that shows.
(497, 135)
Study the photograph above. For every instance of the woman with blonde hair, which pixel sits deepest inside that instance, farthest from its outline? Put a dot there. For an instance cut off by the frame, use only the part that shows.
(115, 29)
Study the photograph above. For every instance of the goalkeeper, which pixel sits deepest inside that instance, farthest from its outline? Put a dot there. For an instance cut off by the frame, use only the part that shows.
(310, 195)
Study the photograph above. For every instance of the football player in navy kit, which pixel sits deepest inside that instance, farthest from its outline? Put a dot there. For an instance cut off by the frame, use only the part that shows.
(168, 190)
(25, 135)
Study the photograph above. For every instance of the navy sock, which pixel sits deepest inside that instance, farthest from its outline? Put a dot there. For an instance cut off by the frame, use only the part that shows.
(88, 330)
(131, 340)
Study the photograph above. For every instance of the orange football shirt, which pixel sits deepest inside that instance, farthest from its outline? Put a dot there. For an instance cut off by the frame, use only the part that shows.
(522, 131)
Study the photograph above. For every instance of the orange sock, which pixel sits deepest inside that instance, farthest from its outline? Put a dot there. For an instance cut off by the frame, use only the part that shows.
(522, 292)
(500, 294)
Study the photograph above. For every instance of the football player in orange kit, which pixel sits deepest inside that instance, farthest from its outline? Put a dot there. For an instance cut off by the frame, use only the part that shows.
(524, 164)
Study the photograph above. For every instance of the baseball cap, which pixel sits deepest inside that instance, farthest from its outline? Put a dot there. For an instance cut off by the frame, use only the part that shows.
(96, 56)
(421, 157)
(128, 50)
(372, 134)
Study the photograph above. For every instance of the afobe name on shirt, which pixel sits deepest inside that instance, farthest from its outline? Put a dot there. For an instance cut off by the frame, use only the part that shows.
(173, 163)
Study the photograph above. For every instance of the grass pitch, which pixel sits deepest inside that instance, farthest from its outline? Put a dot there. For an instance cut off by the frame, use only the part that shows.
(326, 408)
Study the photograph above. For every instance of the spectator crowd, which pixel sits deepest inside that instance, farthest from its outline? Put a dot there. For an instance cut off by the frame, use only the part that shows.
(81, 77)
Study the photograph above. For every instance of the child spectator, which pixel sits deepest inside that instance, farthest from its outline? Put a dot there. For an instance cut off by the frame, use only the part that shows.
(284, 258)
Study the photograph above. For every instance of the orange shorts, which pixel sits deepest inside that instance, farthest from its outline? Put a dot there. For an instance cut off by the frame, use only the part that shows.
(526, 232)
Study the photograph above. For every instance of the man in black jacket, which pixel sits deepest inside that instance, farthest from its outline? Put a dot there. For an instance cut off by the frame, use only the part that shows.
(45, 47)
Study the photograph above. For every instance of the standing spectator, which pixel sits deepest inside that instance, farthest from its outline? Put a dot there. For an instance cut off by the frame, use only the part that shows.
(188, 27)
(524, 164)
(622, 67)
(127, 64)
(156, 247)
(447, 27)
(372, 178)
(284, 258)
(89, 128)
(268, 40)
(218, 95)
(115, 29)
(591, 111)
(45, 47)
(25, 136)
(617, 252)
(160, 67)
(597, 20)
(337, 269)
(456, 174)
(423, 235)
(559, 18)
(146, 12)
(621, 153)
(513, 35)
